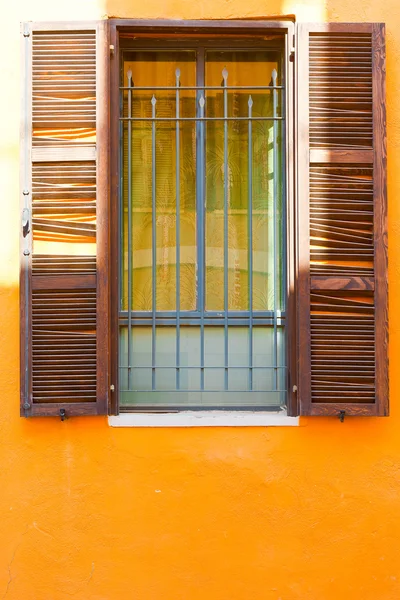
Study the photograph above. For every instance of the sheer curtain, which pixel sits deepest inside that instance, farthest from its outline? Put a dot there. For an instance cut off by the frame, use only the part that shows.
(244, 69)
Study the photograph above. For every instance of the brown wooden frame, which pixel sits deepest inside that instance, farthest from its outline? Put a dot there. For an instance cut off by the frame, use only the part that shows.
(100, 406)
(287, 29)
(375, 158)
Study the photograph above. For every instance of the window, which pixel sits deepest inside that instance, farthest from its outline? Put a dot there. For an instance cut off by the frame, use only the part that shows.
(202, 204)
(117, 182)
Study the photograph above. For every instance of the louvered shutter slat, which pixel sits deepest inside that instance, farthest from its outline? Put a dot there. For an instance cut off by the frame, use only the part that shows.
(64, 282)
(342, 287)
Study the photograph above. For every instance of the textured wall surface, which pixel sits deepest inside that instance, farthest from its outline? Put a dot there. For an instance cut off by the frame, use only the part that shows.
(90, 512)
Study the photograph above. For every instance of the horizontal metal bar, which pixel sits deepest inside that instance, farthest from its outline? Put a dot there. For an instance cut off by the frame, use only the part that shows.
(197, 322)
(207, 87)
(208, 314)
(197, 391)
(174, 119)
(221, 368)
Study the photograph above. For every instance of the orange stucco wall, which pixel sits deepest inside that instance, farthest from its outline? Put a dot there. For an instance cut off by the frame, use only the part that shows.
(92, 512)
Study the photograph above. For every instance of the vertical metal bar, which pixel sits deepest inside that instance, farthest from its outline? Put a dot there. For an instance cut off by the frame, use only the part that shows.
(121, 197)
(283, 231)
(250, 239)
(121, 216)
(226, 257)
(202, 264)
(200, 205)
(153, 243)
(177, 231)
(275, 210)
(129, 74)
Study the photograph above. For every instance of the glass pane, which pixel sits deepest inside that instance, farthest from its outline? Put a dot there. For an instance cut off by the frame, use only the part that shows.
(189, 379)
(238, 347)
(214, 347)
(214, 379)
(239, 381)
(228, 149)
(189, 346)
(165, 379)
(163, 162)
(165, 347)
(158, 69)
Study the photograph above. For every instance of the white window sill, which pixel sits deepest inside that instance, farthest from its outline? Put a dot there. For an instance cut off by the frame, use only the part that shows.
(207, 418)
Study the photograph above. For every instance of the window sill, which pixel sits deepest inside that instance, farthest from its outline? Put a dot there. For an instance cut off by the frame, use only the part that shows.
(211, 418)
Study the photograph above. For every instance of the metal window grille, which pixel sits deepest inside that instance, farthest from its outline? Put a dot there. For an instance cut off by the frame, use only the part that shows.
(176, 393)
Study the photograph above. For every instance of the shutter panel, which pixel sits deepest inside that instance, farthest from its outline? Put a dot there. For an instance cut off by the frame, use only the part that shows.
(64, 229)
(342, 286)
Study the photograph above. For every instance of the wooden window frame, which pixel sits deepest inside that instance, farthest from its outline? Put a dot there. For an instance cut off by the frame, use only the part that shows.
(287, 30)
(321, 380)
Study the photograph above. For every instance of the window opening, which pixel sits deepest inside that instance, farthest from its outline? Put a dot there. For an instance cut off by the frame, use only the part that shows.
(202, 221)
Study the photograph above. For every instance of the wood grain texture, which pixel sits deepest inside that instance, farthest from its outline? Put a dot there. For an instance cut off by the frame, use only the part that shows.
(347, 294)
(25, 248)
(77, 409)
(380, 220)
(342, 283)
(350, 410)
(64, 345)
(68, 172)
(303, 224)
(340, 90)
(102, 215)
(64, 154)
(291, 212)
(199, 25)
(64, 282)
(333, 155)
(114, 218)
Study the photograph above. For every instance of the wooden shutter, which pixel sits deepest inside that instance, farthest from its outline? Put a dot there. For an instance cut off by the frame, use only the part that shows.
(64, 219)
(342, 232)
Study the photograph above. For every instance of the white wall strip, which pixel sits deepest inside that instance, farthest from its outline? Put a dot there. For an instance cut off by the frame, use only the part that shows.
(204, 419)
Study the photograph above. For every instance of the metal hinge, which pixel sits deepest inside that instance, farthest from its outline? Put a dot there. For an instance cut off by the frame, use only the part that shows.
(25, 221)
(112, 49)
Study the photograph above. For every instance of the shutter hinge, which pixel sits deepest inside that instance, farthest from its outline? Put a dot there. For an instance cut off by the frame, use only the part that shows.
(26, 34)
(291, 54)
(63, 414)
(112, 388)
(341, 415)
(294, 389)
(112, 49)
(25, 220)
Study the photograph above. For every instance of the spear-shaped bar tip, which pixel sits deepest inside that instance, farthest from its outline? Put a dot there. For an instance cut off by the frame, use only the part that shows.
(153, 100)
(225, 74)
(250, 102)
(274, 75)
(129, 76)
(201, 101)
(177, 73)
